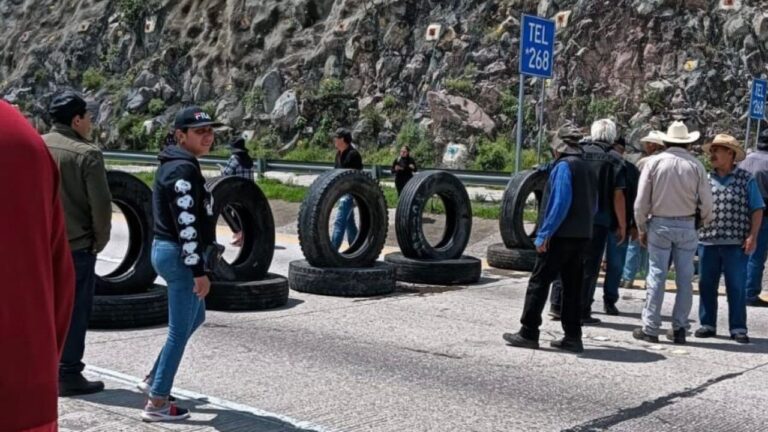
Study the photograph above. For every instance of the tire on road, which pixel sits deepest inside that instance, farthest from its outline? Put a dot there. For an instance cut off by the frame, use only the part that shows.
(124, 311)
(458, 216)
(135, 273)
(499, 256)
(268, 293)
(512, 220)
(460, 271)
(315, 213)
(346, 282)
(244, 199)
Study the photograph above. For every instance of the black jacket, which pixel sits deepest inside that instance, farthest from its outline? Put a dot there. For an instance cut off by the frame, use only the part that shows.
(349, 159)
(182, 207)
(406, 173)
(611, 175)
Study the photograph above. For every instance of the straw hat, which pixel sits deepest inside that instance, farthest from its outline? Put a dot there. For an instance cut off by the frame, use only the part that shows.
(729, 142)
(677, 133)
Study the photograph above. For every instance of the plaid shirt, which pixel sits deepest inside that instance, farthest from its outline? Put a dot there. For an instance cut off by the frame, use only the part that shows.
(233, 168)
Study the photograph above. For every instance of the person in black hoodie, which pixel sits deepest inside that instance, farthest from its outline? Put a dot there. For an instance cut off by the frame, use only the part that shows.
(240, 164)
(184, 231)
(346, 158)
(403, 168)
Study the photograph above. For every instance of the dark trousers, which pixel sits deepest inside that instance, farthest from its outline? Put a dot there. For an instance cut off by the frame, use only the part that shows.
(565, 258)
(85, 285)
(593, 258)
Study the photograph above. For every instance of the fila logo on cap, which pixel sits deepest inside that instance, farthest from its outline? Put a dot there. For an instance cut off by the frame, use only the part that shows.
(202, 116)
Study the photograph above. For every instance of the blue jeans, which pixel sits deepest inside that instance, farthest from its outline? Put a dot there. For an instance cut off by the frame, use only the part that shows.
(676, 238)
(345, 222)
(636, 261)
(731, 261)
(615, 255)
(71, 362)
(756, 264)
(186, 313)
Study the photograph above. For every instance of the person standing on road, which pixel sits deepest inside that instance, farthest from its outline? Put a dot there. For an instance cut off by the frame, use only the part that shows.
(637, 257)
(561, 244)
(756, 163)
(726, 243)
(88, 209)
(611, 182)
(616, 253)
(38, 278)
(240, 164)
(674, 192)
(346, 158)
(403, 168)
(184, 233)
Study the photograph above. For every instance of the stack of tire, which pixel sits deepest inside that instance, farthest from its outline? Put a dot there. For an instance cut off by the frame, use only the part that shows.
(127, 297)
(518, 251)
(243, 204)
(352, 272)
(443, 263)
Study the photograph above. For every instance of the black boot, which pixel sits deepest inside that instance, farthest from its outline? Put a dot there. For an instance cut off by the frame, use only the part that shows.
(77, 385)
(676, 336)
(517, 340)
(611, 309)
(568, 344)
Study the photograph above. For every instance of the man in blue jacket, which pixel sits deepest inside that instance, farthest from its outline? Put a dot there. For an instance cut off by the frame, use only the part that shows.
(561, 244)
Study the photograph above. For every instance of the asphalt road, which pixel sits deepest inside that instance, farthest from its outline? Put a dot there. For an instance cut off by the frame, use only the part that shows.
(432, 359)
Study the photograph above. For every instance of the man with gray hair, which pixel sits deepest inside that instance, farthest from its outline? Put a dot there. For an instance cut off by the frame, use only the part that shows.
(561, 243)
(609, 169)
(673, 191)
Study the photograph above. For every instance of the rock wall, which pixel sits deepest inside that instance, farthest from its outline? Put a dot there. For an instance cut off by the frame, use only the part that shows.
(292, 69)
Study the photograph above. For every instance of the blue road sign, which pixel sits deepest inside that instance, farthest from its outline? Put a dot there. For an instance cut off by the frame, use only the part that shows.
(757, 100)
(537, 46)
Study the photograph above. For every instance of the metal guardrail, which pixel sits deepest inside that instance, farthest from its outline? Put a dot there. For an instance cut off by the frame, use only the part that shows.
(480, 178)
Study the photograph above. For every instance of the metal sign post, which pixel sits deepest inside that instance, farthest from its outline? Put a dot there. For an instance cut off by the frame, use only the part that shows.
(541, 123)
(756, 107)
(537, 55)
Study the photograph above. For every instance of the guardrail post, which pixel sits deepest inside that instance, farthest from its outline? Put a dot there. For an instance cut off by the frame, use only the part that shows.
(376, 172)
(261, 168)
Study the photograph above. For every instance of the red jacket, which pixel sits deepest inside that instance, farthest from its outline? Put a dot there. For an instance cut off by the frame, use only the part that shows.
(37, 278)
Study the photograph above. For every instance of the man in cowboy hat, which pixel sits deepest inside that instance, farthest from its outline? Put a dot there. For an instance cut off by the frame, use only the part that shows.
(561, 243)
(726, 243)
(673, 189)
(637, 256)
(757, 164)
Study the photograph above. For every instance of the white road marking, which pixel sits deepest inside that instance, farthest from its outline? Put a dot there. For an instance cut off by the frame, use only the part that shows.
(131, 381)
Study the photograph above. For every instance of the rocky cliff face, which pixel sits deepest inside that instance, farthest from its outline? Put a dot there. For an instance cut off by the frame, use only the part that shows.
(286, 72)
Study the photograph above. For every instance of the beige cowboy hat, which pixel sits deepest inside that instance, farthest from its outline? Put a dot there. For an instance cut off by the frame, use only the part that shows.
(654, 137)
(729, 142)
(677, 133)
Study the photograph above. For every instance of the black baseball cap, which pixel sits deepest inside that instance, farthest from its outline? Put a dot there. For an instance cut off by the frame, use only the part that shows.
(66, 105)
(194, 117)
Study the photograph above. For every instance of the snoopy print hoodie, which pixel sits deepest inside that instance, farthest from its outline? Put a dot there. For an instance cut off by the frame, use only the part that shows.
(182, 207)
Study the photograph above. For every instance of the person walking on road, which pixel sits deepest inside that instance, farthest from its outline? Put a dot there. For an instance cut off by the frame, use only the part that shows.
(637, 257)
(39, 278)
(184, 234)
(88, 208)
(726, 243)
(561, 244)
(611, 182)
(756, 163)
(403, 168)
(346, 158)
(673, 191)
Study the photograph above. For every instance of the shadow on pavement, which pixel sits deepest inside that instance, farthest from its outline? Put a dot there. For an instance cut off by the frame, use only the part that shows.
(621, 355)
(292, 303)
(220, 419)
(756, 345)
